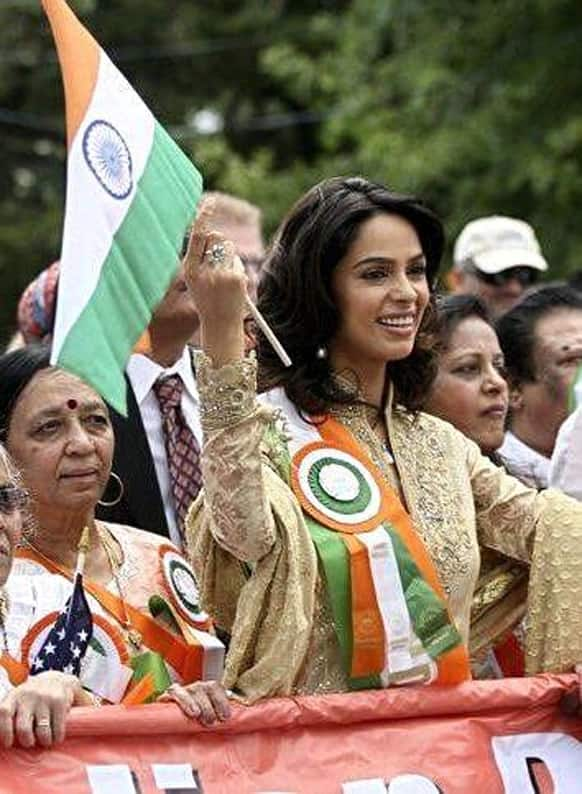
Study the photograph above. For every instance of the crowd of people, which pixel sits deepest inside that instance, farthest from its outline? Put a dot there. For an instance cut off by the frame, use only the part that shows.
(400, 506)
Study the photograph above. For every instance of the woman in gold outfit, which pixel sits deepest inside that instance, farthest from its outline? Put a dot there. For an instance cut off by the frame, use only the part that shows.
(339, 536)
(470, 392)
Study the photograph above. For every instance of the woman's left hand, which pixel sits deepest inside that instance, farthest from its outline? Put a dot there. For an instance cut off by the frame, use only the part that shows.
(35, 712)
(205, 701)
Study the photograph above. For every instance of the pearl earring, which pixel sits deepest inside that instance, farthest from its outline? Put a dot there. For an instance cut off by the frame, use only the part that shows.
(321, 352)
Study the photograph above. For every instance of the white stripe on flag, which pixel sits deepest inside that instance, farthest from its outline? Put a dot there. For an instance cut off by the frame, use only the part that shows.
(88, 235)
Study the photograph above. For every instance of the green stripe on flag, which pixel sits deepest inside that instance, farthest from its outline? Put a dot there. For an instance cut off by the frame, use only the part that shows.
(135, 275)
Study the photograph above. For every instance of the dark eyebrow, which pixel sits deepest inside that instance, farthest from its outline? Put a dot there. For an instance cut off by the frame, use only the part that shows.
(95, 405)
(386, 260)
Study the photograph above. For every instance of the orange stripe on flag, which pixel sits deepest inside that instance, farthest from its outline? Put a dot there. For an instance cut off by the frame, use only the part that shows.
(79, 56)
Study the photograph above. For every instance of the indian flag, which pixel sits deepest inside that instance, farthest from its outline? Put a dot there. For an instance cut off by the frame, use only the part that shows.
(131, 195)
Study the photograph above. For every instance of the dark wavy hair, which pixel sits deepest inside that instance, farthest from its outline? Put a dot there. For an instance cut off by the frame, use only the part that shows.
(451, 310)
(517, 328)
(295, 291)
(17, 369)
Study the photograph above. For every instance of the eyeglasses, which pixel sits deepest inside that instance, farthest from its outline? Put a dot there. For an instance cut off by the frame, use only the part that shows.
(12, 498)
(526, 276)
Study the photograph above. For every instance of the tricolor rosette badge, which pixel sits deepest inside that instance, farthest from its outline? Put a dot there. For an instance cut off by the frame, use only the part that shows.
(338, 487)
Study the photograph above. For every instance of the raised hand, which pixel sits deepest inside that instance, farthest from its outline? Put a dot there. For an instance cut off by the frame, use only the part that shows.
(217, 281)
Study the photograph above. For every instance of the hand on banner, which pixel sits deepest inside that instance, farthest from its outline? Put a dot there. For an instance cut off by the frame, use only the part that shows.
(205, 701)
(217, 281)
(35, 711)
(571, 702)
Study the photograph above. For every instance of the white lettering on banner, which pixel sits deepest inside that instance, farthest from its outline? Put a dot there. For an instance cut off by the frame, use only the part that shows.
(402, 784)
(174, 776)
(561, 754)
(111, 779)
(373, 785)
(412, 784)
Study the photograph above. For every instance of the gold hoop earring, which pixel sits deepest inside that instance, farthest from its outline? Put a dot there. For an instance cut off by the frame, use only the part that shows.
(119, 496)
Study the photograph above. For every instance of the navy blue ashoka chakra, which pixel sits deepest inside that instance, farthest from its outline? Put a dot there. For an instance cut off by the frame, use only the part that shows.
(109, 158)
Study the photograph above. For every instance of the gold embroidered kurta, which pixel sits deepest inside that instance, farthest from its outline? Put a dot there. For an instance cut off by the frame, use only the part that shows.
(257, 568)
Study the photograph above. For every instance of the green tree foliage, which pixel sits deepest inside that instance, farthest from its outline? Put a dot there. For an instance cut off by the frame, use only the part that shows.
(474, 104)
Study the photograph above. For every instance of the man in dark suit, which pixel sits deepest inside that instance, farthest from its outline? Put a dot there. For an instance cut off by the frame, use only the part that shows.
(144, 496)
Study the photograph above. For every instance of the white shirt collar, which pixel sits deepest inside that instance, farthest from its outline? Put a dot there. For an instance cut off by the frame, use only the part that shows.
(143, 373)
(525, 461)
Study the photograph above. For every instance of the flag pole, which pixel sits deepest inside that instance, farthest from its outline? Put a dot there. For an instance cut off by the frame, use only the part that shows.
(82, 549)
(269, 333)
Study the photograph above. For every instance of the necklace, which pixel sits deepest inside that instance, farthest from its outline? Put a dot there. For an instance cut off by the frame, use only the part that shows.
(373, 415)
(3, 614)
(115, 561)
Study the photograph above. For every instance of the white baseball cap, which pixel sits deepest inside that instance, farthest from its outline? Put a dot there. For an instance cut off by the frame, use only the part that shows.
(497, 243)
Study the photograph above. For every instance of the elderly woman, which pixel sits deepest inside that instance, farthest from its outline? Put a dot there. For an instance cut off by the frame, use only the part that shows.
(58, 432)
(344, 551)
(34, 710)
(470, 391)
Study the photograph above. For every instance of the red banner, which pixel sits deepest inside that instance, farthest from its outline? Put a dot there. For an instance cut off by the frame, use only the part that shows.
(503, 737)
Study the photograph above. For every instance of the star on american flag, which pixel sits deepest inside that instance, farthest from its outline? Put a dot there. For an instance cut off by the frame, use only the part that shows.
(67, 641)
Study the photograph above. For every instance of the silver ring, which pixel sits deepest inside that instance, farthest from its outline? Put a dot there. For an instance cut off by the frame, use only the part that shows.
(216, 254)
(43, 723)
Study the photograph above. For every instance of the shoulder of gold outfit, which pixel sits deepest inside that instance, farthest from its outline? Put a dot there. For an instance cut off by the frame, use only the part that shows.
(3, 614)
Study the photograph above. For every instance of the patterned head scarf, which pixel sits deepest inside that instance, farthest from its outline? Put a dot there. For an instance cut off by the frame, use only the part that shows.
(36, 308)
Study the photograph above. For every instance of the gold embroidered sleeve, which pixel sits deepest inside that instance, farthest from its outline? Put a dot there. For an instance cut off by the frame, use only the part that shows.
(509, 514)
(506, 510)
(234, 425)
(544, 528)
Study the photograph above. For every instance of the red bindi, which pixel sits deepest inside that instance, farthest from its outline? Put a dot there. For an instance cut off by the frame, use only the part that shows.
(72, 404)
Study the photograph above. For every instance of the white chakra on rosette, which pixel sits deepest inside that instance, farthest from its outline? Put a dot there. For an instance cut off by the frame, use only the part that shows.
(339, 486)
(109, 159)
(182, 585)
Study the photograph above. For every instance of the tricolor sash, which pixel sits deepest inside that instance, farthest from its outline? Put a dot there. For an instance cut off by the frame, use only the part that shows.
(390, 612)
(185, 658)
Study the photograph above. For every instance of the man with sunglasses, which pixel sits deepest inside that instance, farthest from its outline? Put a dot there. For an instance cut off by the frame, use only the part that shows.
(497, 258)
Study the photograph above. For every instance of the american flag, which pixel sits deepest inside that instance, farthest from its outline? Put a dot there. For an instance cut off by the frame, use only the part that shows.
(69, 638)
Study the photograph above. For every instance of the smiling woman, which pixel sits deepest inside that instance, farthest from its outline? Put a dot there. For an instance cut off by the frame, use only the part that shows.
(58, 431)
(339, 536)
